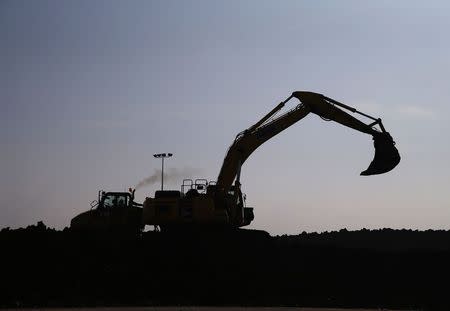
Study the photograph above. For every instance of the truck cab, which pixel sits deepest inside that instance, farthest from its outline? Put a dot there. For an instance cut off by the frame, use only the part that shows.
(113, 211)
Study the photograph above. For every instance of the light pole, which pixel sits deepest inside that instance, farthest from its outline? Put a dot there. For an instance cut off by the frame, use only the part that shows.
(162, 156)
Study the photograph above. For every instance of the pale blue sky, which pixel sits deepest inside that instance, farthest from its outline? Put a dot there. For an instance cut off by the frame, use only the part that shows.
(89, 90)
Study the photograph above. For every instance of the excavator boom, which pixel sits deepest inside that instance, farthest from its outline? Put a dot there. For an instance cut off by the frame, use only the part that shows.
(246, 142)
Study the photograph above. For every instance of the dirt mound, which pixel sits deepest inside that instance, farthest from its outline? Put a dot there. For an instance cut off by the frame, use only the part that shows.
(382, 268)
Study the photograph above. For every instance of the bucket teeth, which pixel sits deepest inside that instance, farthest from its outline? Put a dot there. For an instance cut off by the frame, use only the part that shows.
(386, 155)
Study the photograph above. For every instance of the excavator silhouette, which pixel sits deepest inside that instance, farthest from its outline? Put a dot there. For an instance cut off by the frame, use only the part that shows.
(221, 204)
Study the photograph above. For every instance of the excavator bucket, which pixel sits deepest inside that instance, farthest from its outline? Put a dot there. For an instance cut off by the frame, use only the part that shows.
(386, 155)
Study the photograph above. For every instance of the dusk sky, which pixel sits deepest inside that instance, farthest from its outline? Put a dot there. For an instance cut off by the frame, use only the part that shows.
(90, 90)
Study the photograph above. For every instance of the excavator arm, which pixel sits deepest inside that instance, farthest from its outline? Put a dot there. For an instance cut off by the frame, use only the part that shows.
(246, 142)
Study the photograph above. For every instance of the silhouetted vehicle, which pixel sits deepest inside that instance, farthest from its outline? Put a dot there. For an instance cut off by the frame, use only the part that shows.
(221, 204)
(113, 211)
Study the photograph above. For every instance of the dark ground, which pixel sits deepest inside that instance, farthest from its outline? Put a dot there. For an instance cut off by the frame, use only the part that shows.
(372, 269)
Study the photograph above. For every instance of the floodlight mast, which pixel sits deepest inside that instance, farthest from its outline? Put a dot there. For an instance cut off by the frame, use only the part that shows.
(162, 156)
